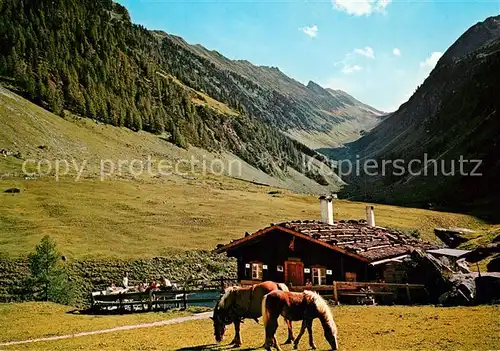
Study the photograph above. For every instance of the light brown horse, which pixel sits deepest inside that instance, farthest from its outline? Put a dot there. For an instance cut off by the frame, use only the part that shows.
(238, 303)
(305, 306)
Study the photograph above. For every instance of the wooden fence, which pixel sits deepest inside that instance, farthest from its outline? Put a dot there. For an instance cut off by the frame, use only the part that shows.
(402, 293)
(340, 290)
(163, 299)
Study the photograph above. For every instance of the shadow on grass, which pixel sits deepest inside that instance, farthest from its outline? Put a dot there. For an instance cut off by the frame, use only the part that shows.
(213, 347)
(114, 312)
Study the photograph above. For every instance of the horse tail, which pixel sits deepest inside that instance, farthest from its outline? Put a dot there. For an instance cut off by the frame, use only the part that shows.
(282, 287)
(265, 312)
(326, 319)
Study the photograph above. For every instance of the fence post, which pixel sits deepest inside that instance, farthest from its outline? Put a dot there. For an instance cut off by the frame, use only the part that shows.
(335, 294)
(408, 293)
(184, 299)
(222, 284)
(150, 303)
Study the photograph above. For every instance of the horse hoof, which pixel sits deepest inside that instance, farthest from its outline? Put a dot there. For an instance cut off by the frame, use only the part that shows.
(295, 346)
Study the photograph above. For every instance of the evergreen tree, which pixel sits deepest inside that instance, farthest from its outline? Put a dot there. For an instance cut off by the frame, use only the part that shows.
(30, 84)
(48, 280)
(177, 137)
(54, 99)
(158, 121)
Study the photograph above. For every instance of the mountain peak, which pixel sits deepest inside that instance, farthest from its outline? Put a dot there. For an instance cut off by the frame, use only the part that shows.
(316, 88)
(477, 36)
(312, 85)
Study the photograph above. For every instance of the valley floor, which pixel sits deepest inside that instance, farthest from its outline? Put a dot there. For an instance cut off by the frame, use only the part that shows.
(360, 328)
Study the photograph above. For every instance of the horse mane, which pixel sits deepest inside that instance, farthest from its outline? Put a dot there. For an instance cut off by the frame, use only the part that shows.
(228, 291)
(324, 311)
(282, 287)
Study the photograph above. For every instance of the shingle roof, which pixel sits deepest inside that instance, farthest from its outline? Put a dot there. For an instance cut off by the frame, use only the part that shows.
(373, 243)
(352, 237)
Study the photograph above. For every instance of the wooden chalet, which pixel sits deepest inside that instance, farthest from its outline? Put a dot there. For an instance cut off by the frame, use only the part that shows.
(321, 252)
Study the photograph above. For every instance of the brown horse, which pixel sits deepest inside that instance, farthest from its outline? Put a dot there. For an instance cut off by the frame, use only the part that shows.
(304, 306)
(238, 303)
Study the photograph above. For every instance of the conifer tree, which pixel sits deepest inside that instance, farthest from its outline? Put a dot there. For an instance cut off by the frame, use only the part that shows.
(48, 280)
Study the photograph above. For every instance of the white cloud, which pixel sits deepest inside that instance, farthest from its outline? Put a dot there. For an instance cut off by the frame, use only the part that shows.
(351, 69)
(431, 61)
(361, 7)
(349, 62)
(367, 51)
(310, 31)
(396, 52)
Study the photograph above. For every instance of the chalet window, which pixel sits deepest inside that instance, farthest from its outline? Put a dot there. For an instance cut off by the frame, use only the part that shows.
(350, 276)
(319, 276)
(256, 271)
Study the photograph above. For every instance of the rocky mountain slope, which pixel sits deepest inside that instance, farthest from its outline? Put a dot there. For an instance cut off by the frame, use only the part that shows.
(313, 115)
(86, 57)
(454, 114)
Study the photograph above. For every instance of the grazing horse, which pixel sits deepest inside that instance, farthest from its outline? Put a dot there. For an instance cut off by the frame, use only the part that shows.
(305, 306)
(238, 303)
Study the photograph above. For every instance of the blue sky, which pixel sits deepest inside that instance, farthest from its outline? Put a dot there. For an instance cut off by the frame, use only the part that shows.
(376, 50)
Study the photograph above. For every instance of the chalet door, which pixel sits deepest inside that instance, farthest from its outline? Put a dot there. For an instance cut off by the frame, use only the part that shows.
(294, 272)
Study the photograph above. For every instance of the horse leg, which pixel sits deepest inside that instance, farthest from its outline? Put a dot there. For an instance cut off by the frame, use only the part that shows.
(310, 331)
(237, 336)
(271, 326)
(290, 332)
(333, 343)
(302, 330)
(331, 337)
(234, 339)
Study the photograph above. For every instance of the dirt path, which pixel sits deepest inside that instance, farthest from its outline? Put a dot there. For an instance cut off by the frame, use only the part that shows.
(198, 316)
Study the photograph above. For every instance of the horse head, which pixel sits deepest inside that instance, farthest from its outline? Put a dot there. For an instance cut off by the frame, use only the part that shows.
(221, 317)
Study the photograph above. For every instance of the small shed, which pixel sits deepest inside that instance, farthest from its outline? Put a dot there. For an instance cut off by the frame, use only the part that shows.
(451, 256)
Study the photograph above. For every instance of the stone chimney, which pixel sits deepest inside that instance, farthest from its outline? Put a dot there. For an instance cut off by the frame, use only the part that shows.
(370, 216)
(326, 207)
